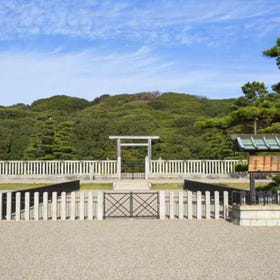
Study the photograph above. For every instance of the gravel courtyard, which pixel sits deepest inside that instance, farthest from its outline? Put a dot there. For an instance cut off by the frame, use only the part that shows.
(138, 249)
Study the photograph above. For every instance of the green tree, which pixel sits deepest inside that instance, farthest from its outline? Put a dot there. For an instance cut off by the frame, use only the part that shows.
(274, 52)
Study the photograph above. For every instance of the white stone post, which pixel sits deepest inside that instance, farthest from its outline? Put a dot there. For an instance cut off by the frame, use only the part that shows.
(18, 206)
(100, 206)
(82, 206)
(36, 206)
(119, 167)
(1, 203)
(63, 206)
(9, 206)
(181, 205)
(190, 210)
(90, 206)
(45, 206)
(91, 171)
(198, 205)
(207, 205)
(225, 205)
(54, 206)
(26, 206)
(171, 205)
(147, 168)
(73, 207)
(162, 205)
(217, 205)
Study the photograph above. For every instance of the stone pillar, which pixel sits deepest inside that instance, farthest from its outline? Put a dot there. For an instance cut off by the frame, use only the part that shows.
(73, 207)
(9, 206)
(225, 205)
(162, 205)
(198, 205)
(100, 206)
(171, 205)
(1, 203)
(54, 206)
(207, 205)
(36, 206)
(90, 205)
(149, 149)
(119, 167)
(26, 206)
(217, 205)
(118, 147)
(18, 206)
(82, 206)
(181, 205)
(45, 206)
(190, 210)
(63, 206)
(147, 168)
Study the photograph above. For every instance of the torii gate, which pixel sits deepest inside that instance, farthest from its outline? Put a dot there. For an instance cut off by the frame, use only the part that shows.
(120, 144)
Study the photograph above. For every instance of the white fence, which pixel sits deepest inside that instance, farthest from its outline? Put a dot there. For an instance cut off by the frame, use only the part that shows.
(169, 168)
(90, 205)
(87, 169)
(58, 168)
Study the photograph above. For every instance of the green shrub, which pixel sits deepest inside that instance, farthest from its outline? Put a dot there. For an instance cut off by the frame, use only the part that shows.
(241, 167)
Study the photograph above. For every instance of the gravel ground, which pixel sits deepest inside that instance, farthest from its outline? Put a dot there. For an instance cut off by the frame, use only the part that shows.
(137, 249)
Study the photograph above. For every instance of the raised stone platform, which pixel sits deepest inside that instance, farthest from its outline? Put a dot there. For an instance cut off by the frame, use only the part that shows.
(131, 185)
(256, 215)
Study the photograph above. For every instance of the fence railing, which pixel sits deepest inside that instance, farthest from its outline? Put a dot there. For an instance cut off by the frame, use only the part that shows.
(57, 168)
(262, 197)
(90, 205)
(111, 168)
(208, 167)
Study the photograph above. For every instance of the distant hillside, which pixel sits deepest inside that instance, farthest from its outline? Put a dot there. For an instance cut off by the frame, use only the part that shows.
(63, 127)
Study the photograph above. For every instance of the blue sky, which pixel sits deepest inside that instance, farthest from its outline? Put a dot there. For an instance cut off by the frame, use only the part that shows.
(93, 47)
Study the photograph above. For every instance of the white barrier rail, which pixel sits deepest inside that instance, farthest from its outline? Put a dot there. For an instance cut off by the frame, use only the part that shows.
(208, 167)
(50, 168)
(111, 168)
(90, 205)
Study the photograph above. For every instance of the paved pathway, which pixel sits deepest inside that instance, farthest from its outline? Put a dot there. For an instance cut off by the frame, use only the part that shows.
(137, 249)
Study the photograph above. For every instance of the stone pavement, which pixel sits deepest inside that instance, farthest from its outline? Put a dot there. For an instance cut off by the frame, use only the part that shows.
(138, 249)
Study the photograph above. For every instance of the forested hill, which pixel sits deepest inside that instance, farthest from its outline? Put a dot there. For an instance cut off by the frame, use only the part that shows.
(62, 127)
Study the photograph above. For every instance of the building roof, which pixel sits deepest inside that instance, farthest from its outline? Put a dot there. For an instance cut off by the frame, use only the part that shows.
(257, 143)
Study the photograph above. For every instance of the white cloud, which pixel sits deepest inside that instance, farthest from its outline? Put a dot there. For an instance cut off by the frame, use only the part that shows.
(153, 21)
(26, 77)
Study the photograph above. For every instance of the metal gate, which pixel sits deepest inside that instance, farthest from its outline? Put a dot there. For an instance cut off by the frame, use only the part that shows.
(131, 205)
(133, 170)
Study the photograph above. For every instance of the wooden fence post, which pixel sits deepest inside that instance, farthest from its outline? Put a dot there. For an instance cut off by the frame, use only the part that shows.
(18, 206)
(26, 206)
(217, 205)
(82, 206)
(100, 206)
(181, 205)
(45, 206)
(9, 206)
(90, 206)
(171, 205)
(54, 206)
(162, 205)
(225, 205)
(190, 210)
(63, 206)
(36, 206)
(207, 205)
(73, 207)
(1, 203)
(198, 205)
